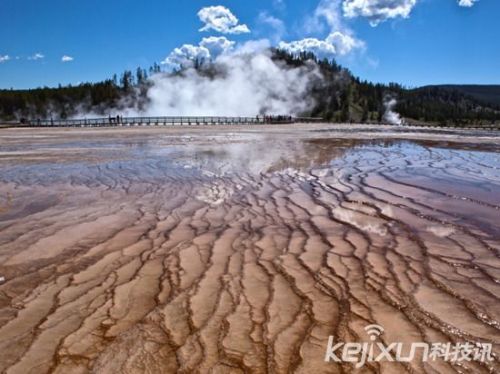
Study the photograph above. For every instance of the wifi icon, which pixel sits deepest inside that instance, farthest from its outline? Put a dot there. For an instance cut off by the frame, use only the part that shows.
(374, 331)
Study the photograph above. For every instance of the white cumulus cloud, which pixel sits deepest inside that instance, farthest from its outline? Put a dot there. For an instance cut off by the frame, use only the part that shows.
(344, 43)
(221, 19)
(208, 49)
(320, 48)
(336, 43)
(4, 58)
(377, 11)
(36, 56)
(340, 41)
(467, 3)
(66, 58)
(186, 56)
(217, 45)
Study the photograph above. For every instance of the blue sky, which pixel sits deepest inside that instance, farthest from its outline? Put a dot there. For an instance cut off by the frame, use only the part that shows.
(415, 43)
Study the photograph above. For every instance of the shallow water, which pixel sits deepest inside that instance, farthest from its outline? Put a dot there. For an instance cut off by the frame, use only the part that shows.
(243, 250)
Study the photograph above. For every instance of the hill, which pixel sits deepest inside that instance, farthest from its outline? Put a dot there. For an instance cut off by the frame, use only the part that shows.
(339, 96)
(488, 94)
(445, 105)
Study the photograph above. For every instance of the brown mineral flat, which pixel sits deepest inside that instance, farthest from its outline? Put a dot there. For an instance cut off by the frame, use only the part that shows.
(241, 249)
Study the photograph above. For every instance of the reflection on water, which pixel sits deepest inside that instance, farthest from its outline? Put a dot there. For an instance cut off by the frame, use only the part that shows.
(193, 156)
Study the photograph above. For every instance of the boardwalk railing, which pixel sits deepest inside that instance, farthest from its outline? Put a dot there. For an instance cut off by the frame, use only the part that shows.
(164, 121)
(309, 119)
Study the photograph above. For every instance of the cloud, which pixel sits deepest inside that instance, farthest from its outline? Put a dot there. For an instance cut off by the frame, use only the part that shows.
(36, 56)
(328, 10)
(467, 3)
(340, 41)
(4, 58)
(208, 49)
(66, 58)
(217, 45)
(335, 44)
(344, 43)
(221, 19)
(186, 56)
(377, 11)
(320, 48)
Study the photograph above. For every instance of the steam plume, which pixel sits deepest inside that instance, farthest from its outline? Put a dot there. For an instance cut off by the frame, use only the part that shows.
(236, 84)
(390, 115)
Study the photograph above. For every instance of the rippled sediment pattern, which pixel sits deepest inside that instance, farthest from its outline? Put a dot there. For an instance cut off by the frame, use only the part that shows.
(231, 251)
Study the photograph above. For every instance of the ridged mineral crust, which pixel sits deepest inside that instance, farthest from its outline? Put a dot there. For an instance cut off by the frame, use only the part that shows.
(233, 250)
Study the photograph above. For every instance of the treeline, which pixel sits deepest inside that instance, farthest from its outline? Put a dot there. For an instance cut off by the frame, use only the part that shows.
(339, 97)
(488, 93)
(67, 101)
(342, 97)
(446, 106)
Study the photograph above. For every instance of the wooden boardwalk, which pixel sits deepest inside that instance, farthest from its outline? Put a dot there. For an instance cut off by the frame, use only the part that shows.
(119, 121)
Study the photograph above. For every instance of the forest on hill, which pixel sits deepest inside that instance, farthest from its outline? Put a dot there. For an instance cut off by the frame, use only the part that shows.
(485, 92)
(338, 97)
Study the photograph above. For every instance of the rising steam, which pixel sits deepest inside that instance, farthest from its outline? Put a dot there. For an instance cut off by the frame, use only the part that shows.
(390, 115)
(239, 84)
